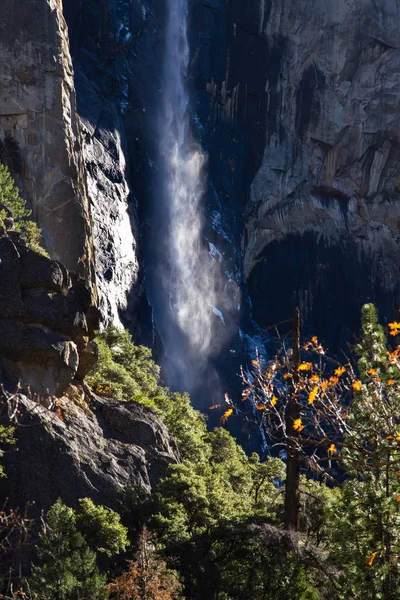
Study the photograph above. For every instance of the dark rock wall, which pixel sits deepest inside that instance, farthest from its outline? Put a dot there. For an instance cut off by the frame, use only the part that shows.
(297, 106)
(116, 48)
(300, 110)
(77, 452)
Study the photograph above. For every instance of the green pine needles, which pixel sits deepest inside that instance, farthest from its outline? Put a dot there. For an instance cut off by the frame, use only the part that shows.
(68, 547)
(20, 221)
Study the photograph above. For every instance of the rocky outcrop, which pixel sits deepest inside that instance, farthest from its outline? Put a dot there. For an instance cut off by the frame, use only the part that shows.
(47, 321)
(86, 447)
(39, 127)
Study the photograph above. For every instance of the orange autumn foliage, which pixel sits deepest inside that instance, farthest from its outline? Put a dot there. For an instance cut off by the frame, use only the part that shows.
(147, 577)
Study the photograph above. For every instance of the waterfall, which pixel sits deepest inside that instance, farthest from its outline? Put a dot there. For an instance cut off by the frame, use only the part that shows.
(192, 291)
(189, 309)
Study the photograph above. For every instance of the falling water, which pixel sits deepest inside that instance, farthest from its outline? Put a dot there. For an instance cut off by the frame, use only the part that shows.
(193, 321)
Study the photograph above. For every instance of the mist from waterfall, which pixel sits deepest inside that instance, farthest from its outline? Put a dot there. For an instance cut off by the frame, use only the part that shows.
(191, 325)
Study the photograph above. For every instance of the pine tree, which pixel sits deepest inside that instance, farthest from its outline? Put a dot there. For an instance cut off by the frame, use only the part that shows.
(68, 569)
(102, 528)
(372, 349)
(368, 519)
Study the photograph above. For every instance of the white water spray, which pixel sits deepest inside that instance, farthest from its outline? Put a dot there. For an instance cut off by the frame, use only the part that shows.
(192, 290)
(195, 298)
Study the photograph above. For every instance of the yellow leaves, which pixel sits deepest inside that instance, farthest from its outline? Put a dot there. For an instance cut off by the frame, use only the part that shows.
(313, 395)
(398, 437)
(339, 372)
(370, 559)
(332, 449)
(102, 389)
(398, 498)
(288, 376)
(324, 385)
(357, 386)
(314, 345)
(314, 379)
(298, 425)
(305, 367)
(372, 372)
(394, 328)
(391, 382)
(226, 415)
(333, 381)
(274, 400)
(255, 363)
(394, 356)
(261, 407)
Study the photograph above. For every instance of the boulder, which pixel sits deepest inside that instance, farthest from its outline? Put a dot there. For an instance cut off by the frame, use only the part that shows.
(45, 337)
(86, 447)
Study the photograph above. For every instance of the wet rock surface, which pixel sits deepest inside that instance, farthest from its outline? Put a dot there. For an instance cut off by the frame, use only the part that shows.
(47, 320)
(112, 46)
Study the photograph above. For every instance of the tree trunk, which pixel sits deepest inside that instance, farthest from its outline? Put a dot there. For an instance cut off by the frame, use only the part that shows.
(292, 490)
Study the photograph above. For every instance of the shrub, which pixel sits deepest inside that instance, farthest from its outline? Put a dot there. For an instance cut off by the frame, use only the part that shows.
(124, 371)
(9, 197)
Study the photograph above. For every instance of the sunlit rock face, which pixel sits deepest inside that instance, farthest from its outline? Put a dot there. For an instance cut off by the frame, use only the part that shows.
(300, 104)
(39, 128)
(104, 40)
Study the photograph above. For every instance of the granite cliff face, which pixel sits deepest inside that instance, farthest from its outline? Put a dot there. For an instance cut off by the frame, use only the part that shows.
(113, 91)
(38, 120)
(296, 107)
(302, 112)
(47, 321)
(84, 448)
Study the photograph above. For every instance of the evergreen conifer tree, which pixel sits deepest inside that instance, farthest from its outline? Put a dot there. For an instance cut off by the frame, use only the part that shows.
(68, 569)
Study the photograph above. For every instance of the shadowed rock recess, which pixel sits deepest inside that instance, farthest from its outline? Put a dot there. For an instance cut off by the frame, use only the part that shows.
(300, 102)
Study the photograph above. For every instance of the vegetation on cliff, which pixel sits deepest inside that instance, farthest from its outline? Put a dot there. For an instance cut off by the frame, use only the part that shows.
(14, 215)
(216, 522)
